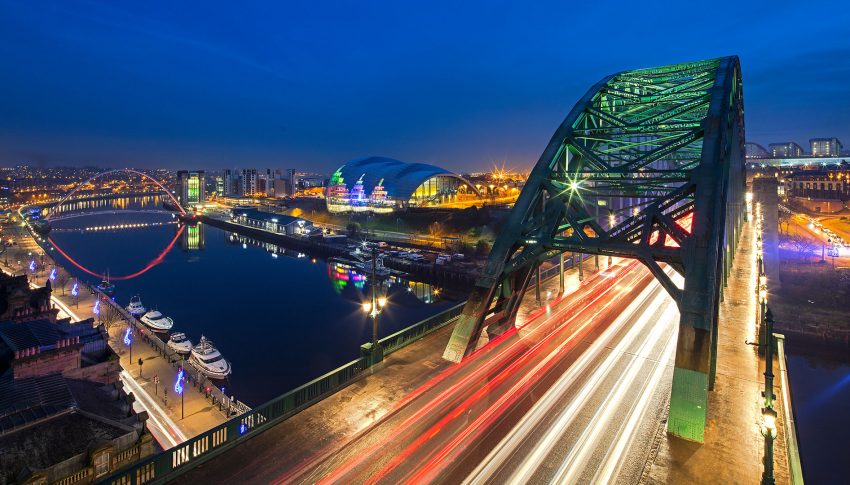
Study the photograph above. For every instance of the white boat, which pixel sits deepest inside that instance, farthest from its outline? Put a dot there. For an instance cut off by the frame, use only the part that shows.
(380, 269)
(209, 360)
(157, 321)
(135, 307)
(180, 343)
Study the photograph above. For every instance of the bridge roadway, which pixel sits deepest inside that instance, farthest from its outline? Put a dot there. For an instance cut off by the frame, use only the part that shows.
(576, 395)
(591, 368)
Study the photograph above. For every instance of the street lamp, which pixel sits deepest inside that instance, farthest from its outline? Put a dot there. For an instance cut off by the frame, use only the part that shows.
(768, 430)
(373, 309)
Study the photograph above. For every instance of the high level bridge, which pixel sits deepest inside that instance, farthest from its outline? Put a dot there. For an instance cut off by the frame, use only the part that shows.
(649, 164)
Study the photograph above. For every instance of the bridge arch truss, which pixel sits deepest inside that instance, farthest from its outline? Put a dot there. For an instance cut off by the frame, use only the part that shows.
(649, 164)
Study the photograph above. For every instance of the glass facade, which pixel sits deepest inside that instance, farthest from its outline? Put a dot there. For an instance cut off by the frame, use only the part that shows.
(383, 185)
(435, 191)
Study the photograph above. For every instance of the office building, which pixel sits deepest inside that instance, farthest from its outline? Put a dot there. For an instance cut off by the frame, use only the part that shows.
(825, 147)
(191, 187)
(787, 149)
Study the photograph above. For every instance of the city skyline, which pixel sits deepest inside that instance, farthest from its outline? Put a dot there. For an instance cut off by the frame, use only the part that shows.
(154, 87)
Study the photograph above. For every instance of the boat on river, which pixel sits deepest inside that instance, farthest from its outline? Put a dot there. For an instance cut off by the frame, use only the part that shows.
(135, 307)
(105, 286)
(157, 321)
(180, 343)
(209, 360)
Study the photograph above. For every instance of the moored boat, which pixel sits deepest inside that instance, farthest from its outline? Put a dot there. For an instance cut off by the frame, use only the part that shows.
(209, 360)
(157, 321)
(180, 343)
(135, 307)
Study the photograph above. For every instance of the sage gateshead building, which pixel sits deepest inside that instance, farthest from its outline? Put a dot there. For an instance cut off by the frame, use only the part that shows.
(383, 185)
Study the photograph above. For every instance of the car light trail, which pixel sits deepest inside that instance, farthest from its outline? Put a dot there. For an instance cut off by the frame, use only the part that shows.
(508, 446)
(451, 411)
(438, 462)
(483, 366)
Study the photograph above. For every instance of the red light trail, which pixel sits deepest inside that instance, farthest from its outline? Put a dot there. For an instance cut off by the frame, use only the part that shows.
(493, 364)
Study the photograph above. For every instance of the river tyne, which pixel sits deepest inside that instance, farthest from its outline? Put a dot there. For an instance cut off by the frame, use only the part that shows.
(280, 317)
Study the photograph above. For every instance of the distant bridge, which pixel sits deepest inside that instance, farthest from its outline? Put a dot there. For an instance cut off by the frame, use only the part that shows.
(50, 215)
(73, 215)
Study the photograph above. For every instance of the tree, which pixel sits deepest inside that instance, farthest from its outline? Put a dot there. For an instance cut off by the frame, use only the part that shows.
(784, 219)
(482, 248)
(435, 229)
(353, 229)
(804, 246)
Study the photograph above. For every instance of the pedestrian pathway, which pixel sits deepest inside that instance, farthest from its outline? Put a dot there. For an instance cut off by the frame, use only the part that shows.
(733, 448)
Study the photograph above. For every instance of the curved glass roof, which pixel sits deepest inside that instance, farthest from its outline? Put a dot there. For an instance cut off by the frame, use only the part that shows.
(400, 179)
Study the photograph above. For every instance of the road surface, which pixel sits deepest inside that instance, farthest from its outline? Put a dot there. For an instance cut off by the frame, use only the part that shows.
(574, 395)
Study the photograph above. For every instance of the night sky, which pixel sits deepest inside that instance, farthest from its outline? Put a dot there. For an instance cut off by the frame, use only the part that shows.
(458, 84)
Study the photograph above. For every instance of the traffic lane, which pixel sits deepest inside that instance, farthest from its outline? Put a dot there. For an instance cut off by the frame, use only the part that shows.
(365, 466)
(575, 381)
(469, 370)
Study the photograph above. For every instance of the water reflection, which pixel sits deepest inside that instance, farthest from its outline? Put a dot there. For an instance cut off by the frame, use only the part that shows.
(194, 237)
(117, 203)
(344, 276)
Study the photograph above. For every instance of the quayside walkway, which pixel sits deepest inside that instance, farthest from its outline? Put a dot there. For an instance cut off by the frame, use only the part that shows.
(734, 445)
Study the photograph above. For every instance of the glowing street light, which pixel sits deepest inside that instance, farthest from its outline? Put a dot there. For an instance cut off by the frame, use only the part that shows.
(768, 430)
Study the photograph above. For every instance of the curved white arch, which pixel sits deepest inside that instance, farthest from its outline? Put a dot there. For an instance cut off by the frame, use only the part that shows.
(126, 170)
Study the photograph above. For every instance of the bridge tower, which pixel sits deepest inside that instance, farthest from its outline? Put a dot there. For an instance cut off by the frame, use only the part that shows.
(649, 164)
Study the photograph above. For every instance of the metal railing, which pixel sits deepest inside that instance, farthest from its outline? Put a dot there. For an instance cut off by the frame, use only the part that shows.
(795, 467)
(171, 463)
(175, 461)
(226, 403)
(408, 335)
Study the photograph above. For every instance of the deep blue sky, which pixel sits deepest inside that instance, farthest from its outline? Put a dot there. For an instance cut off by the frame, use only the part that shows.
(459, 84)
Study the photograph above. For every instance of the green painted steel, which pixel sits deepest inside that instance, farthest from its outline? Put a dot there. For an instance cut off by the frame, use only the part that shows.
(649, 164)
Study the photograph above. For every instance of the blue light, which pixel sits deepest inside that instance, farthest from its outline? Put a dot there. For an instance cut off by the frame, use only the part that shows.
(75, 290)
(53, 274)
(178, 386)
(243, 429)
(128, 338)
(96, 308)
(32, 266)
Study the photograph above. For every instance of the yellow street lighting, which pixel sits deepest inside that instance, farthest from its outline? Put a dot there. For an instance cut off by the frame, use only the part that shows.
(367, 307)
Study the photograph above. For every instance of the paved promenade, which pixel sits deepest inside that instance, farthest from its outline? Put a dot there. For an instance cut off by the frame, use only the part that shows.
(165, 421)
(733, 448)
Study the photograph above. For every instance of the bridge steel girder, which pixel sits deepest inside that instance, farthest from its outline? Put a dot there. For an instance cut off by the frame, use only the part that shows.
(649, 164)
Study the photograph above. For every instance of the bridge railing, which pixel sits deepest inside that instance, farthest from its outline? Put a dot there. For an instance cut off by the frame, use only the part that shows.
(408, 335)
(185, 456)
(175, 461)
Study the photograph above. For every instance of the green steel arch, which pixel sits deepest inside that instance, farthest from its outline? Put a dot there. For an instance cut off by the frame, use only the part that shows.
(649, 164)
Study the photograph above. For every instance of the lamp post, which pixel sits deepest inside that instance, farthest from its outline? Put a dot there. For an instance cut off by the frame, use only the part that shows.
(768, 430)
(768, 361)
(178, 386)
(373, 308)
